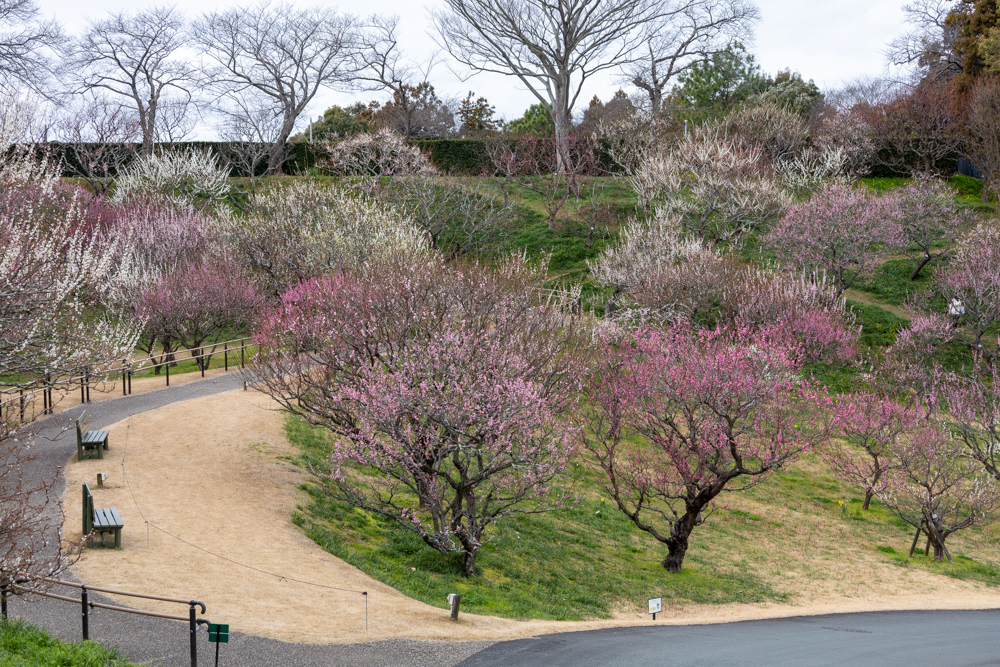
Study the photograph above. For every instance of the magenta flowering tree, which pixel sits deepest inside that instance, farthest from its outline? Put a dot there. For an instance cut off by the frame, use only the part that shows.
(936, 488)
(194, 305)
(869, 425)
(929, 218)
(678, 416)
(840, 230)
(974, 408)
(448, 384)
(971, 284)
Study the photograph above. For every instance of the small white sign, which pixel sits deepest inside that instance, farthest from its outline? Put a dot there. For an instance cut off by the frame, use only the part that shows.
(656, 605)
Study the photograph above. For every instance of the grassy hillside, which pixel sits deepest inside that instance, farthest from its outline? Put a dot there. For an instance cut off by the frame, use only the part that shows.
(799, 535)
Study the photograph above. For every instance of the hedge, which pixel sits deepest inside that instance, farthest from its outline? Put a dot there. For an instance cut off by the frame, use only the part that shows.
(302, 156)
(464, 157)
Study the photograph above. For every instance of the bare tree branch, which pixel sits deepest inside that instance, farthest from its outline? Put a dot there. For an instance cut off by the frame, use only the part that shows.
(135, 56)
(25, 39)
(688, 32)
(280, 52)
(551, 46)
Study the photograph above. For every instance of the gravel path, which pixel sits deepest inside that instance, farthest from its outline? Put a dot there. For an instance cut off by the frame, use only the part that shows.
(156, 641)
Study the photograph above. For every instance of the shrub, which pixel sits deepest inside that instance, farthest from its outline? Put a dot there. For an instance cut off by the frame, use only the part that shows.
(294, 233)
(181, 179)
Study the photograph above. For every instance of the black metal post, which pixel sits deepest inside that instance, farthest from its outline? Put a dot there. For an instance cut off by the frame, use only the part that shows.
(168, 371)
(86, 615)
(22, 403)
(3, 601)
(216, 654)
(83, 397)
(130, 379)
(194, 636)
(124, 379)
(86, 374)
(225, 348)
(201, 361)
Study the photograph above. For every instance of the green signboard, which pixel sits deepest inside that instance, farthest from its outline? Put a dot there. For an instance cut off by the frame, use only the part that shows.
(218, 633)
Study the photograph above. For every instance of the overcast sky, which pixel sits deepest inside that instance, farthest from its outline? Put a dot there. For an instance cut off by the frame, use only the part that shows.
(829, 42)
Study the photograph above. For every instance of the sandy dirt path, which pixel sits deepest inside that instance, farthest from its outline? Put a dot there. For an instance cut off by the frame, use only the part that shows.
(210, 471)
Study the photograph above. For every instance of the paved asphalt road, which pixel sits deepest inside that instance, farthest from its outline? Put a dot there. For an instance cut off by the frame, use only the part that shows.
(877, 639)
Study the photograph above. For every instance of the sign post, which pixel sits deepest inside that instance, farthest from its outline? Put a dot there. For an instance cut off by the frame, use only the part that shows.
(655, 606)
(218, 633)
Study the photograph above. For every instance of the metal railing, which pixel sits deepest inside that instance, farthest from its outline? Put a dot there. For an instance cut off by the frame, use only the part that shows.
(86, 605)
(26, 402)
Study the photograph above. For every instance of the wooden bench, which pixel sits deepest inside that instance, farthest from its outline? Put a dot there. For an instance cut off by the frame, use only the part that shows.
(90, 440)
(104, 520)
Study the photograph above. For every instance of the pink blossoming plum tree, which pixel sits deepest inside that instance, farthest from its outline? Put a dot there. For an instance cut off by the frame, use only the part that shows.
(936, 488)
(194, 305)
(928, 217)
(447, 383)
(840, 230)
(972, 279)
(869, 425)
(679, 416)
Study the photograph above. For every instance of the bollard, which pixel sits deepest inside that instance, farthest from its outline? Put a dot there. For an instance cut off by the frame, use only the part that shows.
(168, 373)
(225, 352)
(86, 615)
(454, 599)
(194, 637)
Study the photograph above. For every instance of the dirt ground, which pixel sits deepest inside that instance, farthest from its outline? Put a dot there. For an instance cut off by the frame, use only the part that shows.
(210, 471)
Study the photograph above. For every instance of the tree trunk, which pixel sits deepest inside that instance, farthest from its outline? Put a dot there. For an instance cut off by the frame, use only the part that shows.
(563, 124)
(276, 156)
(920, 265)
(677, 543)
(868, 499)
(469, 563)
(610, 305)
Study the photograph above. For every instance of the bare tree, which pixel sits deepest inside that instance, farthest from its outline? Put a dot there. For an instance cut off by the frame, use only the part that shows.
(99, 138)
(24, 40)
(689, 32)
(176, 119)
(552, 47)
(280, 52)
(135, 56)
(983, 129)
(917, 128)
(457, 219)
(930, 43)
(250, 128)
(414, 108)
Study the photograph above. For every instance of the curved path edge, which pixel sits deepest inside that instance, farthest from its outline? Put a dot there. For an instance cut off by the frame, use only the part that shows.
(155, 641)
(959, 638)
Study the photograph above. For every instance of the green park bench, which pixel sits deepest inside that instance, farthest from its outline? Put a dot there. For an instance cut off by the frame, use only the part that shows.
(90, 440)
(102, 520)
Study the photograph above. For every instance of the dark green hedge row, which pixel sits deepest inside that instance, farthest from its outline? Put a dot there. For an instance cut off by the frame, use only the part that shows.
(465, 157)
(459, 157)
(301, 157)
